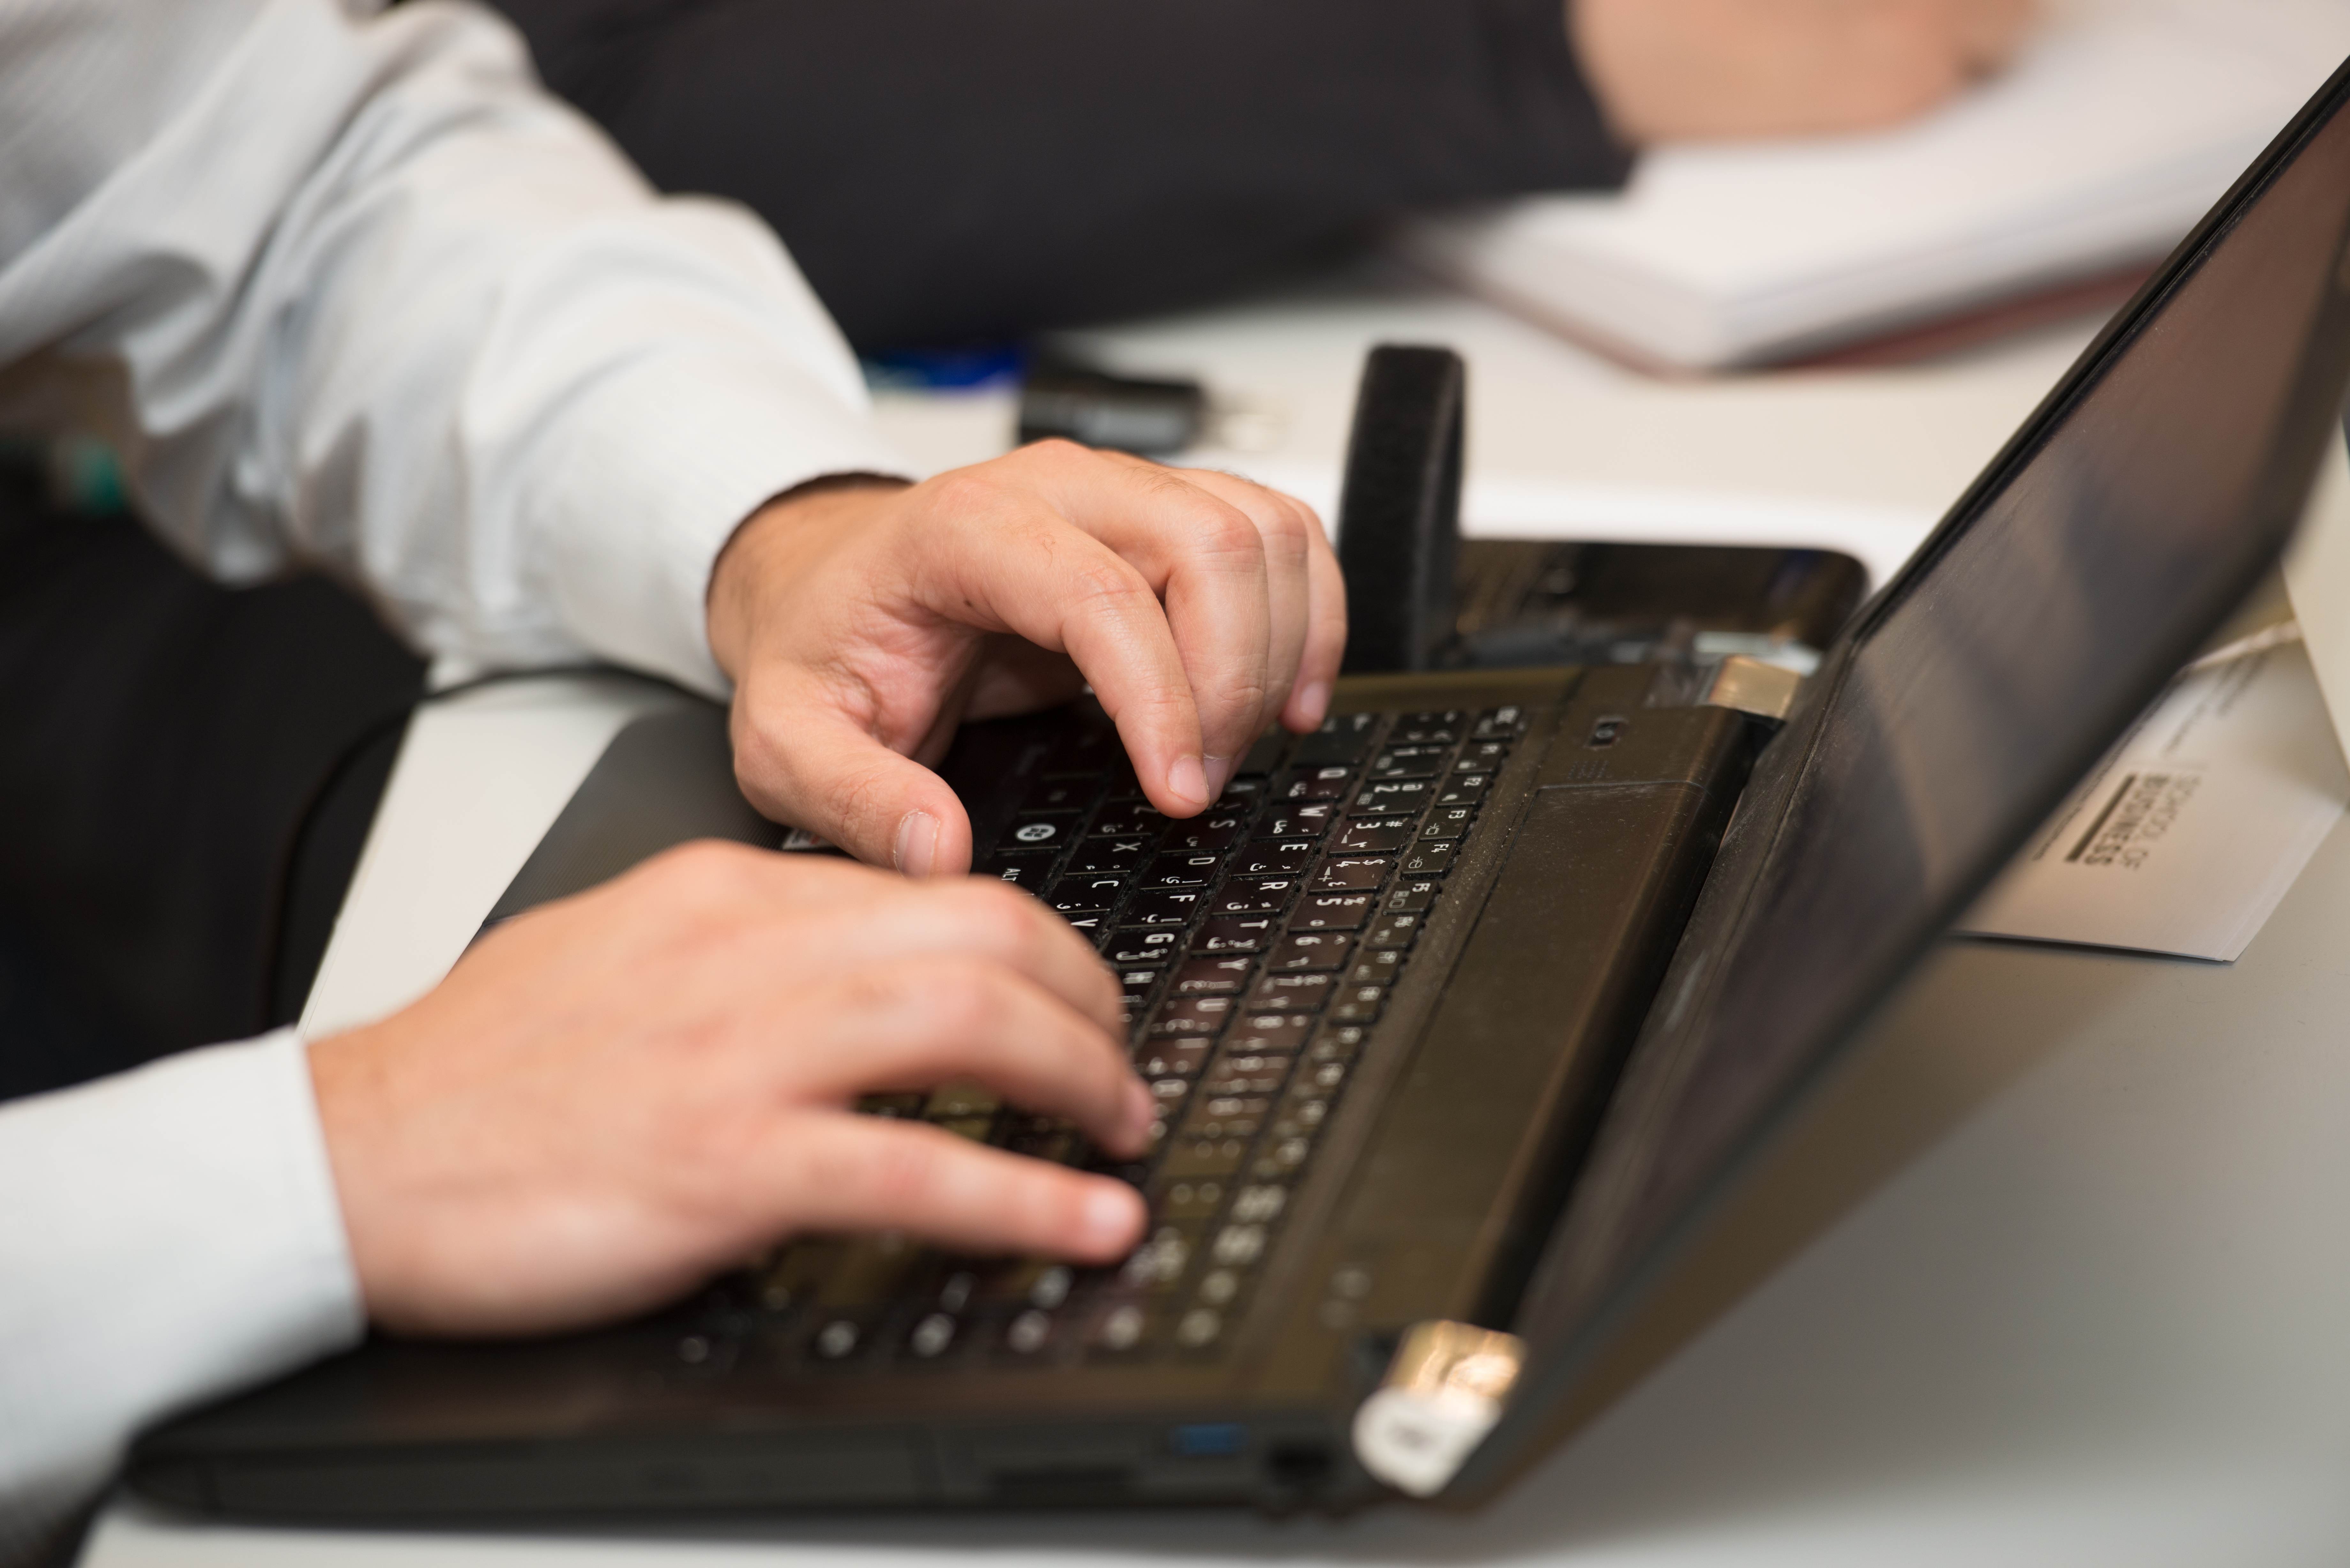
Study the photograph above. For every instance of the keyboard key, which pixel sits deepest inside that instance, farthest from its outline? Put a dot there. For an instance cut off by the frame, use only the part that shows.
(1410, 762)
(1500, 723)
(1157, 1266)
(1337, 1043)
(838, 1340)
(1448, 821)
(873, 1271)
(1139, 982)
(1120, 1329)
(1214, 1115)
(1238, 1246)
(960, 1098)
(1172, 1060)
(1191, 1200)
(1128, 819)
(1269, 1032)
(1107, 856)
(1359, 1004)
(1392, 797)
(1025, 869)
(1285, 858)
(1313, 784)
(1303, 951)
(1375, 835)
(1218, 1286)
(1464, 789)
(1190, 870)
(1346, 873)
(930, 1337)
(1052, 1143)
(1482, 757)
(1322, 1079)
(1215, 831)
(1263, 896)
(1190, 1160)
(1377, 967)
(1426, 859)
(1342, 738)
(1283, 1158)
(1291, 992)
(1165, 907)
(1427, 729)
(1030, 1333)
(1247, 1075)
(1334, 911)
(1213, 976)
(1393, 931)
(1191, 1015)
(1241, 796)
(1038, 833)
(1413, 895)
(1081, 895)
(1265, 755)
(1301, 1119)
(1061, 794)
(1235, 934)
(1128, 947)
(1198, 1328)
(1298, 819)
(1087, 749)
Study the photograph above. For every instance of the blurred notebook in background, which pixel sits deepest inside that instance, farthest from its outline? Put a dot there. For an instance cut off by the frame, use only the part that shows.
(2120, 123)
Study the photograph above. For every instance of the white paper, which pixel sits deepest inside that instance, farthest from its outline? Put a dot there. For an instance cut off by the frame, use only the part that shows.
(2121, 123)
(2187, 835)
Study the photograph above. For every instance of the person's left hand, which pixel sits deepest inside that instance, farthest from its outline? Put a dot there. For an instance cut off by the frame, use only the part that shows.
(861, 621)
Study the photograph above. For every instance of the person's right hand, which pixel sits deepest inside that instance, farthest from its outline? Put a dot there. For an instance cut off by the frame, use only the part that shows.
(611, 1097)
(1675, 71)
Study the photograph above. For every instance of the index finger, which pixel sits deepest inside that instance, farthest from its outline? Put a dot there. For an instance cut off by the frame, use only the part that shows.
(1156, 588)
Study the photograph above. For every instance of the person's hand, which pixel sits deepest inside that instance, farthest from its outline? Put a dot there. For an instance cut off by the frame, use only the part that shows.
(1671, 70)
(861, 622)
(613, 1096)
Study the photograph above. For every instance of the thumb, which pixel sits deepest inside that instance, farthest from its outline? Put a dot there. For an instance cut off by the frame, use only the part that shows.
(823, 772)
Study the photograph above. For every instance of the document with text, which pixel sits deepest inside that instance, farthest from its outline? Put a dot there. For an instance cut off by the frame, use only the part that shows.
(2186, 837)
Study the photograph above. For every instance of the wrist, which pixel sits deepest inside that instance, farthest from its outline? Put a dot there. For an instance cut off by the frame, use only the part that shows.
(772, 544)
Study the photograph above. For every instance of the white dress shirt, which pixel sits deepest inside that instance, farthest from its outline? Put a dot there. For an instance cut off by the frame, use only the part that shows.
(349, 289)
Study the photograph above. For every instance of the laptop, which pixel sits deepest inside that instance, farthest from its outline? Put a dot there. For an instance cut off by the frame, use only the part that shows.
(1463, 1011)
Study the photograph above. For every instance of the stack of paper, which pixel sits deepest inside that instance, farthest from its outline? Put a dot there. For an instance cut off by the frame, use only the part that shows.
(2120, 125)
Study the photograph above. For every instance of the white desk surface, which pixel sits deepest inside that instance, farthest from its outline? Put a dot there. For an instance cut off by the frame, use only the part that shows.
(2058, 1273)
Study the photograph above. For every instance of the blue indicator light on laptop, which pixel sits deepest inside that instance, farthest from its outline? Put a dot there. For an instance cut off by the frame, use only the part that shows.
(1208, 1440)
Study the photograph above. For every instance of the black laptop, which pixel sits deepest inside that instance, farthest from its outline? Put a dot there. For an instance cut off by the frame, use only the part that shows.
(1460, 1011)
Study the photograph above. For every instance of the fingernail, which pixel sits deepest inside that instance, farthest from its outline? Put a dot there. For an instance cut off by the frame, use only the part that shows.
(1313, 702)
(1112, 1217)
(1220, 772)
(1187, 780)
(916, 847)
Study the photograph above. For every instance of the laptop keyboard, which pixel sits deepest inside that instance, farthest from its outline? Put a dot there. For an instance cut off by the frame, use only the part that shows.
(1256, 945)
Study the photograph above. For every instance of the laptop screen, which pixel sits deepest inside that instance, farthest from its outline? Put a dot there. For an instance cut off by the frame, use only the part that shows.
(2114, 535)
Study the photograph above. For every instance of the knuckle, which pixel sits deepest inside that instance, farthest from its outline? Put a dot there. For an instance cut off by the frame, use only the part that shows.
(965, 998)
(1229, 535)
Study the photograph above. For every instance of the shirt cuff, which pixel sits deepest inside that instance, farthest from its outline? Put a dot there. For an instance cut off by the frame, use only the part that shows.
(171, 1234)
(730, 398)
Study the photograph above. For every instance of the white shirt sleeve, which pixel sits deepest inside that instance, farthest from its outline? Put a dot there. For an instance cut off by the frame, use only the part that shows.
(168, 1235)
(346, 288)
(352, 289)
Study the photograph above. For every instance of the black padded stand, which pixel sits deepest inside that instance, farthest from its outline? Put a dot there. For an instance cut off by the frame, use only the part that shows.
(1399, 511)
